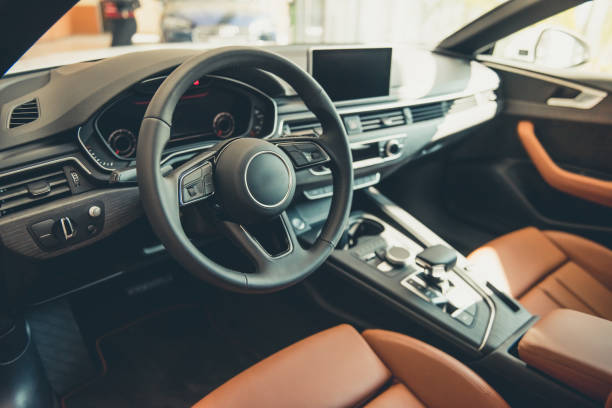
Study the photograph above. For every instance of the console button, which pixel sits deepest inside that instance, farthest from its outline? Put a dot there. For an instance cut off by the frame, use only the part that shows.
(197, 184)
(471, 309)
(352, 124)
(465, 318)
(305, 153)
(397, 256)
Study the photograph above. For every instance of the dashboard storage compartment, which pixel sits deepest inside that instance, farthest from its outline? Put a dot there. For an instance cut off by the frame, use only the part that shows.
(574, 348)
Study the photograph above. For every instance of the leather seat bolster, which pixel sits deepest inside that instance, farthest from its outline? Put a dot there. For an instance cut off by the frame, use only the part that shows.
(574, 348)
(435, 378)
(591, 256)
(515, 262)
(335, 367)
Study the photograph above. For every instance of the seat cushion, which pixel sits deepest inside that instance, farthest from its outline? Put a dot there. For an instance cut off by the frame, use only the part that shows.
(333, 368)
(341, 368)
(548, 270)
(435, 378)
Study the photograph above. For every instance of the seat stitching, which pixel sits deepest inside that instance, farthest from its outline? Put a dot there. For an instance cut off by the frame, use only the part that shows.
(580, 299)
(551, 297)
(544, 276)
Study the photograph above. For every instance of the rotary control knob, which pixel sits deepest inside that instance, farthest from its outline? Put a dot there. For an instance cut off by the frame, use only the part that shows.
(392, 148)
(397, 256)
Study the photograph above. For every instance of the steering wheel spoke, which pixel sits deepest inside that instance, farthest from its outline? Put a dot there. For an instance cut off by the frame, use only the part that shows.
(266, 264)
(305, 152)
(192, 181)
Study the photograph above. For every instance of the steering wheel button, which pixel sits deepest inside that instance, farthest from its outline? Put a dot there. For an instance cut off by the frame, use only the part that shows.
(192, 177)
(298, 158)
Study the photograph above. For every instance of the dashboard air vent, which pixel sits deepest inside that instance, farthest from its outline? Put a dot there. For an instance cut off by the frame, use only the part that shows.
(25, 113)
(421, 113)
(461, 104)
(23, 190)
(384, 119)
(302, 127)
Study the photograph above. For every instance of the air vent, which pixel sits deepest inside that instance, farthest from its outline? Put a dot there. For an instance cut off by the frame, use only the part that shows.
(421, 113)
(461, 104)
(24, 190)
(384, 119)
(25, 113)
(304, 127)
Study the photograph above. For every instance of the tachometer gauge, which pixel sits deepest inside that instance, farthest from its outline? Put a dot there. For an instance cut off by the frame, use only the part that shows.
(123, 143)
(223, 125)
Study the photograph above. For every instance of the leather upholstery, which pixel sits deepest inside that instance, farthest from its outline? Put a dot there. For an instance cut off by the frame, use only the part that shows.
(548, 270)
(574, 348)
(436, 378)
(340, 368)
(587, 188)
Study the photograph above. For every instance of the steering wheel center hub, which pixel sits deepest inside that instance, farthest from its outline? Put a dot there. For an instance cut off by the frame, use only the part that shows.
(268, 179)
(254, 179)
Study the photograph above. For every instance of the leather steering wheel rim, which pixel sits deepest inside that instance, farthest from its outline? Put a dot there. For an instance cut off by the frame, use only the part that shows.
(158, 192)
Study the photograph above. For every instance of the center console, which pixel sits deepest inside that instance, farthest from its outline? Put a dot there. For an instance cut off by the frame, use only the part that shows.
(396, 257)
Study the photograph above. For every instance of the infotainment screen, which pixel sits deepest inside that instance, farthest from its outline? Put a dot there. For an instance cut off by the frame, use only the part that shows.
(352, 73)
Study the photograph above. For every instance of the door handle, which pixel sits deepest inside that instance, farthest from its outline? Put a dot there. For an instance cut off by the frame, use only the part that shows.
(586, 99)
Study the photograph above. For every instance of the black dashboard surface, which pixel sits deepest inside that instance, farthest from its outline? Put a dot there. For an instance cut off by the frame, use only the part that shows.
(69, 96)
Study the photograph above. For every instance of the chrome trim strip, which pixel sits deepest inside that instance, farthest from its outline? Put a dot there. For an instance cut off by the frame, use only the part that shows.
(587, 99)
(46, 163)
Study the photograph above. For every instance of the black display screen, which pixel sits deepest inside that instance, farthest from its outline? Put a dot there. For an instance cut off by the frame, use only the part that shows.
(352, 73)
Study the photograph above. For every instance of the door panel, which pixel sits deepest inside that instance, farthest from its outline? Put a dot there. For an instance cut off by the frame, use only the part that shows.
(492, 182)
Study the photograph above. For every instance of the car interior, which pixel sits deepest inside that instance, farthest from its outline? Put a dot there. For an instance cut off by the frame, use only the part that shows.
(305, 225)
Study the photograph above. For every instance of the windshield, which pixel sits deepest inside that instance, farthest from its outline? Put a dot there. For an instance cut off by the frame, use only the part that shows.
(97, 28)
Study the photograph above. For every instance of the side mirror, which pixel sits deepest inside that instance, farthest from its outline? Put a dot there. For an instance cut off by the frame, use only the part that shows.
(557, 48)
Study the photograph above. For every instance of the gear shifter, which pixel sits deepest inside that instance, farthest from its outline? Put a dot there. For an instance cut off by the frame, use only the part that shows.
(436, 261)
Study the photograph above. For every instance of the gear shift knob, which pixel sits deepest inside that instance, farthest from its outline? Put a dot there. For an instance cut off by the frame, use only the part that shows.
(436, 260)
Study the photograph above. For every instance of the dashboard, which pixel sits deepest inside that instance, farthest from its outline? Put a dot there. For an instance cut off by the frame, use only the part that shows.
(75, 150)
(213, 109)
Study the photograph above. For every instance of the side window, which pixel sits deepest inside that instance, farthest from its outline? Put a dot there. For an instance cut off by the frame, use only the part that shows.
(579, 38)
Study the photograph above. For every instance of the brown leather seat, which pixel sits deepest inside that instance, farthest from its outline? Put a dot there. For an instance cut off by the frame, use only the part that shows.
(341, 368)
(548, 270)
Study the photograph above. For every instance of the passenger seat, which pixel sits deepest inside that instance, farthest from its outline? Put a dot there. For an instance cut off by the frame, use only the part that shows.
(548, 270)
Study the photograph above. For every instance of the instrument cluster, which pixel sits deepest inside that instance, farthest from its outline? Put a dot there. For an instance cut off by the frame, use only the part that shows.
(213, 109)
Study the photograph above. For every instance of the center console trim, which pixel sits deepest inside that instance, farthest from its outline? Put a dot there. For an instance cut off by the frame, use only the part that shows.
(429, 238)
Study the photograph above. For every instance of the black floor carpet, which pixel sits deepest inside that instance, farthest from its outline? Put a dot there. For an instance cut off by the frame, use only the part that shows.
(175, 356)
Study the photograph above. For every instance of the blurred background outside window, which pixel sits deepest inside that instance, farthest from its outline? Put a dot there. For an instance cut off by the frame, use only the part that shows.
(579, 38)
(95, 24)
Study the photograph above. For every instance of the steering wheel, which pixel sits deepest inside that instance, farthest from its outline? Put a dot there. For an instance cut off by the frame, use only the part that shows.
(252, 180)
